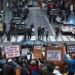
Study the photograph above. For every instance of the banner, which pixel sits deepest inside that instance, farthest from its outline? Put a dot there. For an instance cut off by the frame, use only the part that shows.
(12, 51)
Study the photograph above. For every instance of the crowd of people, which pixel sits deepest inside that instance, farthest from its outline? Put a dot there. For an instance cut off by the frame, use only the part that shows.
(27, 65)
(43, 32)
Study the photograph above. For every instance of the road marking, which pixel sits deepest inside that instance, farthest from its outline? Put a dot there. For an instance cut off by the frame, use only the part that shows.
(52, 38)
(44, 38)
(33, 37)
(71, 38)
(20, 38)
(13, 39)
(59, 38)
(49, 25)
(64, 38)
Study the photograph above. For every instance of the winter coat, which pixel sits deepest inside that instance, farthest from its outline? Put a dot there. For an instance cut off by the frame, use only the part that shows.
(8, 69)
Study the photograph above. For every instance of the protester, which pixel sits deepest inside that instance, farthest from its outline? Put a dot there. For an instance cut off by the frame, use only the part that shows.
(25, 69)
(34, 68)
(56, 71)
(8, 68)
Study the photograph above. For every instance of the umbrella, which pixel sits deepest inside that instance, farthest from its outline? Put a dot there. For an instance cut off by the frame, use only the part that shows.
(39, 42)
(32, 42)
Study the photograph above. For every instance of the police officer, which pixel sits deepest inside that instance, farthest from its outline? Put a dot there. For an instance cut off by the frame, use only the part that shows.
(42, 32)
(39, 32)
(46, 33)
(56, 31)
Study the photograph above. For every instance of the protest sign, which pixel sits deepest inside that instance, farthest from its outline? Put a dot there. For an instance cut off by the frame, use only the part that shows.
(37, 47)
(24, 51)
(55, 54)
(38, 54)
(70, 48)
(12, 51)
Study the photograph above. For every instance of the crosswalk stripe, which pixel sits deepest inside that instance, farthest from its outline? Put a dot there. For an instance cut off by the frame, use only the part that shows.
(71, 38)
(65, 38)
(44, 38)
(59, 38)
(52, 38)
(13, 39)
(20, 38)
(34, 37)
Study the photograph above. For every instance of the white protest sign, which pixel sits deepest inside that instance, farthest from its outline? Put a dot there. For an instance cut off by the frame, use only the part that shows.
(54, 55)
(12, 51)
(24, 51)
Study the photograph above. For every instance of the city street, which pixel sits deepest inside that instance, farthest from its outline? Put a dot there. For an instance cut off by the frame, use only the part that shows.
(37, 37)
(39, 18)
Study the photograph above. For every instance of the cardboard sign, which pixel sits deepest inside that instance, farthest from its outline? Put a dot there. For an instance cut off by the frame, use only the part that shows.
(24, 51)
(38, 54)
(71, 48)
(37, 47)
(54, 54)
(12, 51)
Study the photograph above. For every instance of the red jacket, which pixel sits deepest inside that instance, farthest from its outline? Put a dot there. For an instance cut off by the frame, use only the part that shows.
(33, 67)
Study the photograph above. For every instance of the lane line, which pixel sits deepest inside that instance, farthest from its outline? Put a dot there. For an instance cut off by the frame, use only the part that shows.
(59, 38)
(49, 25)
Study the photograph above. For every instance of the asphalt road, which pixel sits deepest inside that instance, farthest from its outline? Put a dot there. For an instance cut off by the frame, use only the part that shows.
(39, 18)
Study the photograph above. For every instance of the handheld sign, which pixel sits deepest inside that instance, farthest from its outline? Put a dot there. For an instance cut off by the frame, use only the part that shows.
(55, 55)
(38, 52)
(12, 51)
